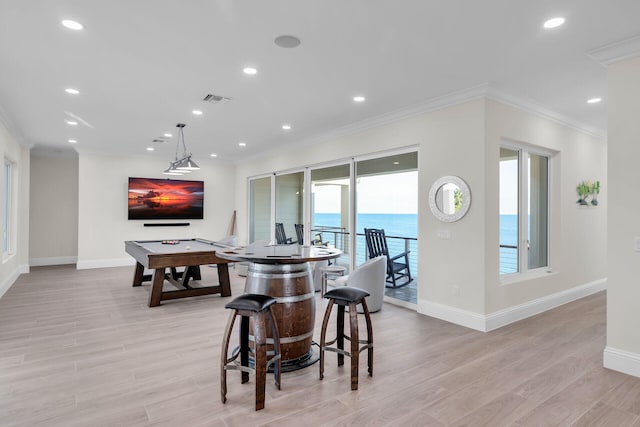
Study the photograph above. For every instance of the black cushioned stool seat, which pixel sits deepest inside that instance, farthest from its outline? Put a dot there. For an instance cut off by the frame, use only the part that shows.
(257, 307)
(347, 297)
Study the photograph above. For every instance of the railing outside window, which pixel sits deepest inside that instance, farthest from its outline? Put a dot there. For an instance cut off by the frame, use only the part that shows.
(339, 238)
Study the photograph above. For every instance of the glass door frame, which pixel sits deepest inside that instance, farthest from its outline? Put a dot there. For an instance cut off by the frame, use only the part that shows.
(352, 216)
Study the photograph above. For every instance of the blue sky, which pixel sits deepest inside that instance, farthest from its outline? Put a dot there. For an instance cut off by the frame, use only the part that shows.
(392, 193)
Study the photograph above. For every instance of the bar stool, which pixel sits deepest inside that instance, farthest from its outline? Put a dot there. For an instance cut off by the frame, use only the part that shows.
(257, 307)
(330, 270)
(351, 297)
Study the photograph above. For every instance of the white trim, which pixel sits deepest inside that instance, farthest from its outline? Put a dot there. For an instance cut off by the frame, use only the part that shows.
(482, 91)
(618, 51)
(103, 263)
(62, 260)
(621, 361)
(509, 315)
(532, 107)
(9, 281)
(498, 319)
(455, 315)
(399, 303)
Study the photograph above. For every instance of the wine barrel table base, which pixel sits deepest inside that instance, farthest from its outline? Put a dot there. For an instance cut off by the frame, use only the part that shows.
(292, 287)
(284, 273)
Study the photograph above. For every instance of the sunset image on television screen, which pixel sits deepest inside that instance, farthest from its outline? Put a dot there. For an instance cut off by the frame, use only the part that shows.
(165, 199)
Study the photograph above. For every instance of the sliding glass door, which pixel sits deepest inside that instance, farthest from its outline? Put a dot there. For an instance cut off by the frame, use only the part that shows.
(260, 209)
(290, 202)
(387, 198)
(330, 192)
(336, 202)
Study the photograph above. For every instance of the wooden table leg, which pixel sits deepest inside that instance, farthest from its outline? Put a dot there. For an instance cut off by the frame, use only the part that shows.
(155, 295)
(137, 275)
(223, 278)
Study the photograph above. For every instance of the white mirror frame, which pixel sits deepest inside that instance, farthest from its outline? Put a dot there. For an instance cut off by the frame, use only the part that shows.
(466, 198)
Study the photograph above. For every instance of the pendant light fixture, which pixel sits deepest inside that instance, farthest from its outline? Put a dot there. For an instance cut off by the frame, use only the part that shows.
(184, 164)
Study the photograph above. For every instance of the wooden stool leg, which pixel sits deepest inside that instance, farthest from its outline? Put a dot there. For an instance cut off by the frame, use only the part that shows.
(277, 368)
(355, 344)
(223, 356)
(244, 347)
(340, 337)
(323, 335)
(260, 361)
(367, 317)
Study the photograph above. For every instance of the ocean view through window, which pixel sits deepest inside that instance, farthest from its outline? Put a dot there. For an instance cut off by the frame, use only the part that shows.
(524, 195)
(395, 225)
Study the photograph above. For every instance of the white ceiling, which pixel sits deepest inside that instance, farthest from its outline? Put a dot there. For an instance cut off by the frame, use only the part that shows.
(142, 66)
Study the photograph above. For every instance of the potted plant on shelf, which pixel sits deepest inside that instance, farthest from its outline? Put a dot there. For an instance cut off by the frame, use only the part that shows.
(595, 190)
(583, 189)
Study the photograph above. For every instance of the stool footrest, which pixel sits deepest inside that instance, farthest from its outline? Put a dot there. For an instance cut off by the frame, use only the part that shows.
(235, 366)
(273, 360)
(337, 350)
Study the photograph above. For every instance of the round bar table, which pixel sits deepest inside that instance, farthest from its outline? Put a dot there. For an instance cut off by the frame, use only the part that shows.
(284, 272)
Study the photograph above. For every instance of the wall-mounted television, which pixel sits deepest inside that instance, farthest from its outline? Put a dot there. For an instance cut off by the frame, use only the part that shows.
(151, 198)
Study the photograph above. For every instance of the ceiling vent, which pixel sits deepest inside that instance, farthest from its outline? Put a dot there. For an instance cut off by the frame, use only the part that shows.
(216, 99)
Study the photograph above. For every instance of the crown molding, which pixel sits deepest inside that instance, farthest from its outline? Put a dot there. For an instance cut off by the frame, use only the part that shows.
(533, 107)
(13, 130)
(618, 51)
(482, 91)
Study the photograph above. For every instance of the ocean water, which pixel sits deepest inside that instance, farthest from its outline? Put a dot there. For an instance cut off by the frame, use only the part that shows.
(402, 225)
(508, 229)
(394, 225)
(508, 236)
(406, 225)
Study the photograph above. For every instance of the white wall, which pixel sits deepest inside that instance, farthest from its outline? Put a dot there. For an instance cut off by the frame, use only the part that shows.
(459, 277)
(578, 234)
(102, 213)
(17, 262)
(623, 296)
(53, 220)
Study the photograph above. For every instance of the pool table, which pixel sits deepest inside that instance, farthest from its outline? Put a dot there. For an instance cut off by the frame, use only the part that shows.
(158, 255)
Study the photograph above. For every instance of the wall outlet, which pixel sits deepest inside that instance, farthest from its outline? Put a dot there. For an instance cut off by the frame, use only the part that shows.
(444, 234)
(637, 245)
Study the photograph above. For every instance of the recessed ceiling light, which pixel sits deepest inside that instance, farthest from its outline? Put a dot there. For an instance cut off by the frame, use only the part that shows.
(554, 22)
(214, 155)
(150, 149)
(286, 127)
(197, 112)
(396, 163)
(72, 25)
(250, 70)
(72, 91)
(242, 144)
(168, 135)
(72, 141)
(287, 41)
(71, 123)
(594, 100)
(359, 98)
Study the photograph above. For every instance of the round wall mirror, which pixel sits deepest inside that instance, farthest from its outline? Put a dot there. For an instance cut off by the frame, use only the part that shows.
(449, 198)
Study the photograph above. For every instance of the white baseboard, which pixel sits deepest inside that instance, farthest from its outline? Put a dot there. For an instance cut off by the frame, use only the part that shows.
(10, 280)
(63, 260)
(498, 319)
(509, 315)
(455, 315)
(621, 361)
(104, 263)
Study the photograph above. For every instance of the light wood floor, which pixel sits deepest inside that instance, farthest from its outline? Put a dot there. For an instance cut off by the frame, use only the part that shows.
(81, 348)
